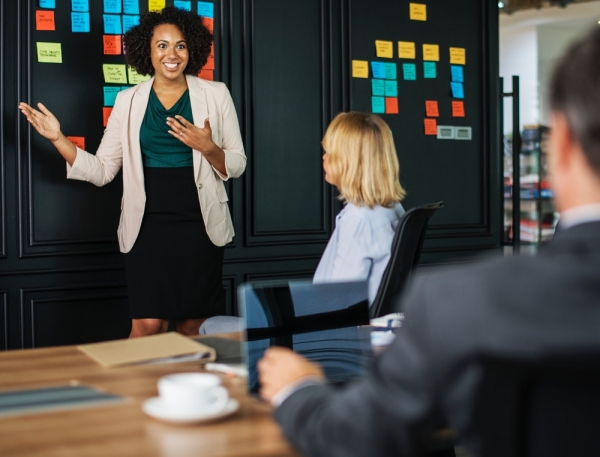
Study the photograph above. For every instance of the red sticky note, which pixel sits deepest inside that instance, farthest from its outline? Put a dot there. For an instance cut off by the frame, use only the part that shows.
(391, 105)
(78, 141)
(209, 22)
(106, 114)
(44, 20)
(210, 63)
(112, 44)
(431, 109)
(458, 109)
(430, 127)
(206, 74)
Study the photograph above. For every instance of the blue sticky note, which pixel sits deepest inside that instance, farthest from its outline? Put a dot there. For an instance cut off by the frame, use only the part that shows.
(130, 21)
(131, 6)
(457, 90)
(378, 70)
(80, 22)
(390, 70)
(457, 73)
(378, 104)
(80, 6)
(410, 71)
(112, 6)
(47, 4)
(378, 87)
(183, 4)
(391, 89)
(112, 24)
(429, 70)
(125, 87)
(206, 9)
(110, 94)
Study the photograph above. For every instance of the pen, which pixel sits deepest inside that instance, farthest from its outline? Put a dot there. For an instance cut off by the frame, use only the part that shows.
(231, 370)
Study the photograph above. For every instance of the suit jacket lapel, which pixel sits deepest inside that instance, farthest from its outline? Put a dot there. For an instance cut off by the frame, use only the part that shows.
(139, 103)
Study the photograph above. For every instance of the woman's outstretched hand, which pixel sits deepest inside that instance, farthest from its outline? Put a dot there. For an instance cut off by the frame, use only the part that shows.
(43, 121)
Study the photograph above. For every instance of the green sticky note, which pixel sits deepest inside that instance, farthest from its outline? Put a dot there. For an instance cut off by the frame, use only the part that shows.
(390, 70)
(378, 104)
(391, 89)
(429, 70)
(378, 87)
(49, 52)
(114, 73)
(135, 77)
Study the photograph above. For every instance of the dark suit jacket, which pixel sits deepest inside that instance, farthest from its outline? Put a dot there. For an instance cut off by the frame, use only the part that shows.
(525, 307)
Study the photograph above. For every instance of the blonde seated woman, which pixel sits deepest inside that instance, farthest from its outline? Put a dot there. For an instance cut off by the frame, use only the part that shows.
(360, 160)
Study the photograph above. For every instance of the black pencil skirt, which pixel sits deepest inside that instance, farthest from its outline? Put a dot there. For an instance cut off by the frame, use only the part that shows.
(173, 270)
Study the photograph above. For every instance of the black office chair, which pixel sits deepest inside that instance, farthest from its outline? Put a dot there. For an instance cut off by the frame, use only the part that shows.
(543, 409)
(406, 250)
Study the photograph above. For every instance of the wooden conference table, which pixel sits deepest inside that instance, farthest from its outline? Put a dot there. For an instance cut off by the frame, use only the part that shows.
(123, 430)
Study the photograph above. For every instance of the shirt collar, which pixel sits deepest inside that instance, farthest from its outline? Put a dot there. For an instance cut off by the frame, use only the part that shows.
(580, 215)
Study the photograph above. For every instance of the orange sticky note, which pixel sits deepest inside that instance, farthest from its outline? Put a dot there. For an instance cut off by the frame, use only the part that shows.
(112, 44)
(78, 141)
(430, 127)
(206, 74)
(209, 22)
(106, 114)
(44, 20)
(391, 105)
(458, 109)
(210, 63)
(431, 108)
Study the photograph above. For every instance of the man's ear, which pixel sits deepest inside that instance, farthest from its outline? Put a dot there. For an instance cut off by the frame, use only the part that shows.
(562, 140)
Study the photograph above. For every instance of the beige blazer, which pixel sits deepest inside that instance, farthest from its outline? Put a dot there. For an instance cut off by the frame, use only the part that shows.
(120, 147)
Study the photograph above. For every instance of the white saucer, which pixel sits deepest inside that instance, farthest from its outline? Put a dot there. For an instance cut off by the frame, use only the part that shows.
(154, 407)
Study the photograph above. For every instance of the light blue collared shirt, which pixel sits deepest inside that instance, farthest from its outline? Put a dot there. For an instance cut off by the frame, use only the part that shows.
(360, 246)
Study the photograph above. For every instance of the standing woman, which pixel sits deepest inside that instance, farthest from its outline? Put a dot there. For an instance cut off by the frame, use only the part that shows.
(177, 138)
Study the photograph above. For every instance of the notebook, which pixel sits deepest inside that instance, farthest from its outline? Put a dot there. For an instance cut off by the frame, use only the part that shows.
(323, 322)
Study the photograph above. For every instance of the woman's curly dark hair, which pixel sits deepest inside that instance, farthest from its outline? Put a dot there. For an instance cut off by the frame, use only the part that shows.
(197, 36)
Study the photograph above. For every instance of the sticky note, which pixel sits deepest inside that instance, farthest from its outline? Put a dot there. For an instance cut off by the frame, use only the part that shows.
(457, 73)
(406, 50)
(431, 52)
(49, 52)
(112, 24)
(156, 5)
(112, 44)
(206, 74)
(410, 71)
(44, 20)
(391, 105)
(80, 6)
(47, 4)
(360, 69)
(105, 115)
(391, 89)
(418, 12)
(457, 90)
(458, 108)
(445, 132)
(378, 105)
(462, 133)
(429, 70)
(210, 61)
(182, 4)
(135, 77)
(114, 73)
(110, 94)
(431, 108)
(430, 127)
(209, 23)
(458, 56)
(78, 141)
(389, 70)
(384, 48)
(80, 22)
(378, 70)
(131, 7)
(112, 6)
(206, 9)
(130, 21)
(378, 87)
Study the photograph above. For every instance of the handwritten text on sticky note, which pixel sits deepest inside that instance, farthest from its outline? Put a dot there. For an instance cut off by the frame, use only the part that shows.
(49, 52)
(384, 48)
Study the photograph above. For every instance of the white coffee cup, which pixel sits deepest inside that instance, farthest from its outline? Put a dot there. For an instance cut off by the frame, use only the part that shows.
(200, 393)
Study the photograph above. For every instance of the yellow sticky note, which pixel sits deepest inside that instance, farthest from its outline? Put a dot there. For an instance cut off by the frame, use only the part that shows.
(458, 55)
(156, 5)
(418, 12)
(406, 49)
(135, 77)
(431, 52)
(384, 48)
(360, 69)
(114, 73)
(49, 52)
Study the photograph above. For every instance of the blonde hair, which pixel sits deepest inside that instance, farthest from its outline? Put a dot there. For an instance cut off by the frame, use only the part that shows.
(362, 160)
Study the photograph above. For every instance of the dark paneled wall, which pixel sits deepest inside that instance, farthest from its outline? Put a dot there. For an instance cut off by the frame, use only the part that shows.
(287, 66)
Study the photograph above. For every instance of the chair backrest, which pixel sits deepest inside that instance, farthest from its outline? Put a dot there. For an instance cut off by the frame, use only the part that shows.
(549, 408)
(406, 250)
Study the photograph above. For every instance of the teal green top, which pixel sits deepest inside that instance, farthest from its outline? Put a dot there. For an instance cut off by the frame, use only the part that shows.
(160, 149)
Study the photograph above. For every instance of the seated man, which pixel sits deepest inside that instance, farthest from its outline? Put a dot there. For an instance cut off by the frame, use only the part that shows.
(525, 307)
